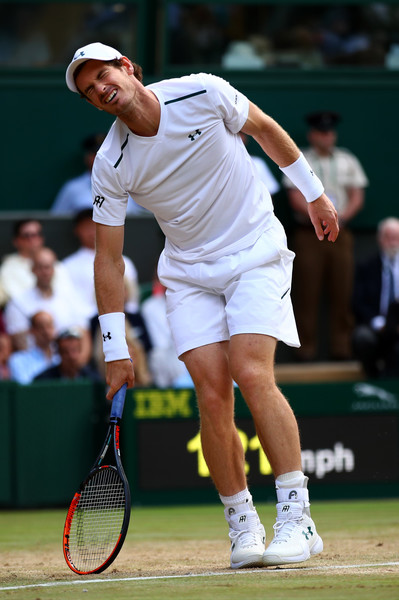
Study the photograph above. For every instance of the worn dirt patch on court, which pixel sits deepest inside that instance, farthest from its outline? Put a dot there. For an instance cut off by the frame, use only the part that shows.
(152, 558)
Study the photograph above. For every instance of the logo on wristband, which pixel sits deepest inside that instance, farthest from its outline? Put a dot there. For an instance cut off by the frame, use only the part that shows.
(107, 337)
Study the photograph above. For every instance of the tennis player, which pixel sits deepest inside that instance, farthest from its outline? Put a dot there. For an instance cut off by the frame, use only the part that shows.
(174, 147)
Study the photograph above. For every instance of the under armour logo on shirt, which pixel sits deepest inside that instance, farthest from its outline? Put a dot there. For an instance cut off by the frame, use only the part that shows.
(107, 336)
(192, 135)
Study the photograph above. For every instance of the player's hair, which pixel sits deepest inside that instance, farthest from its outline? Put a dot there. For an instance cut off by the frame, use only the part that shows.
(116, 62)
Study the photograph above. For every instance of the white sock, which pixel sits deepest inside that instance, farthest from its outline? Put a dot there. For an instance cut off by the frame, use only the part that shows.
(238, 503)
(292, 479)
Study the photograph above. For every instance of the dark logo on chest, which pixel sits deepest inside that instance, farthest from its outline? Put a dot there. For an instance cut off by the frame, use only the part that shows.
(193, 136)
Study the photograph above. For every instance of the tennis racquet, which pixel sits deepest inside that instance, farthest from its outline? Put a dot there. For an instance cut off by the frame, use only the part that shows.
(98, 517)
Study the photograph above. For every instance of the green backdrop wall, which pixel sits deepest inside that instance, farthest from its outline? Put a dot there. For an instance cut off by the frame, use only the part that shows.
(50, 434)
(43, 124)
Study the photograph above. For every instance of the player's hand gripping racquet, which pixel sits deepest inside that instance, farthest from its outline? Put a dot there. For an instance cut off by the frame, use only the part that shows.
(98, 517)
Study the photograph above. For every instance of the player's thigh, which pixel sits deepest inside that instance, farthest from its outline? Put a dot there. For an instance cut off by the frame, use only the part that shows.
(251, 359)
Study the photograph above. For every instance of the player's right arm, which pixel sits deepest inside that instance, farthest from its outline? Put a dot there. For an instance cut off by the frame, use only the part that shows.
(109, 270)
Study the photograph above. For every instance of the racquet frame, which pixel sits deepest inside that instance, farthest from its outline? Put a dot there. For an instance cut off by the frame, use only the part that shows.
(110, 446)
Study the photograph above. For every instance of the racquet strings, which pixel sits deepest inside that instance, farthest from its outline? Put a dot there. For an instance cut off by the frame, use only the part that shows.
(97, 520)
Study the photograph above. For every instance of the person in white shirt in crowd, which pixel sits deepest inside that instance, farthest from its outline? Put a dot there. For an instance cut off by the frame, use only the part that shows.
(263, 169)
(75, 194)
(16, 274)
(166, 368)
(64, 305)
(26, 364)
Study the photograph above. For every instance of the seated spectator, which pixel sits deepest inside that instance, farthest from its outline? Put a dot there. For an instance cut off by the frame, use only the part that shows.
(166, 368)
(80, 264)
(75, 195)
(69, 344)
(375, 305)
(16, 269)
(26, 364)
(5, 353)
(63, 305)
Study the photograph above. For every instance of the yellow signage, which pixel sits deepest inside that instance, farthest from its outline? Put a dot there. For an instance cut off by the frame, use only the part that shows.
(165, 404)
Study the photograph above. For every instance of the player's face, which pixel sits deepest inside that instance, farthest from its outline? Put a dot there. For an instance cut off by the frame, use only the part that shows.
(106, 86)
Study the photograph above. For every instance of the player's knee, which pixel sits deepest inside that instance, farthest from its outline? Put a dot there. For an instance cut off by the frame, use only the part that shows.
(252, 375)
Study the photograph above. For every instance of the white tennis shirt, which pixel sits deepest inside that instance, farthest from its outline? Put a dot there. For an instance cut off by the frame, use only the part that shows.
(194, 175)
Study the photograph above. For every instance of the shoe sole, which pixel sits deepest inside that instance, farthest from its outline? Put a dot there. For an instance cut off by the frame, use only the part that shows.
(271, 560)
(255, 561)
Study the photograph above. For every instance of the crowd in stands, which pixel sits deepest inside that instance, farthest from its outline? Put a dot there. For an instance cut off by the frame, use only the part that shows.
(236, 35)
(306, 35)
(48, 312)
(49, 321)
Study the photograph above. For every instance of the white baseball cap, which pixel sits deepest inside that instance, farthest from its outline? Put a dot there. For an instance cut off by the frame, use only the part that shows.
(95, 51)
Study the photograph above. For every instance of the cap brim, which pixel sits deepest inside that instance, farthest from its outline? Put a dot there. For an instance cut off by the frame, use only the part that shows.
(69, 76)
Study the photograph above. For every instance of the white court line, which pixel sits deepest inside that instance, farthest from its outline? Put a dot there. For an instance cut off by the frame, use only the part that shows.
(190, 575)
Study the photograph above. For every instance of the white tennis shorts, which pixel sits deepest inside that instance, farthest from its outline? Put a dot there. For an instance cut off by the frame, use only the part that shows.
(245, 292)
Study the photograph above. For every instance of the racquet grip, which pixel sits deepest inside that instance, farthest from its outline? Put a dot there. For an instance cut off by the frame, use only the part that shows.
(118, 403)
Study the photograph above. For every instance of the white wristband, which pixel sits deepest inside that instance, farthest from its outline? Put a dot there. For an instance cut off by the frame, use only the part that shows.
(302, 176)
(114, 336)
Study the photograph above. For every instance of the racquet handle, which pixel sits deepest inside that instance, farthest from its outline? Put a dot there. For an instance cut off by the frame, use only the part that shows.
(118, 403)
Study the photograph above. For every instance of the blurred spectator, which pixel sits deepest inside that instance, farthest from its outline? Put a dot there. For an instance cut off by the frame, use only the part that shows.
(79, 264)
(166, 368)
(63, 305)
(318, 264)
(5, 353)
(23, 41)
(75, 195)
(16, 274)
(264, 172)
(69, 344)
(196, 34)
(26, 364)
(376, 305)
(347, 39)
(242, 55)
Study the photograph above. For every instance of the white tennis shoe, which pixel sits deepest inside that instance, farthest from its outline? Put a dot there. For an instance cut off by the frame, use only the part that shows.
(295, 536)
(247, 536)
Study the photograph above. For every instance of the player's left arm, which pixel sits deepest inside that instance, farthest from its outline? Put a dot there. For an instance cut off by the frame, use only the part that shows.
(282, 149)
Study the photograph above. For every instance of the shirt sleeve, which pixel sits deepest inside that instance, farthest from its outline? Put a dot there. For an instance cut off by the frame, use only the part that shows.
(109, 198)
(231, 105)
